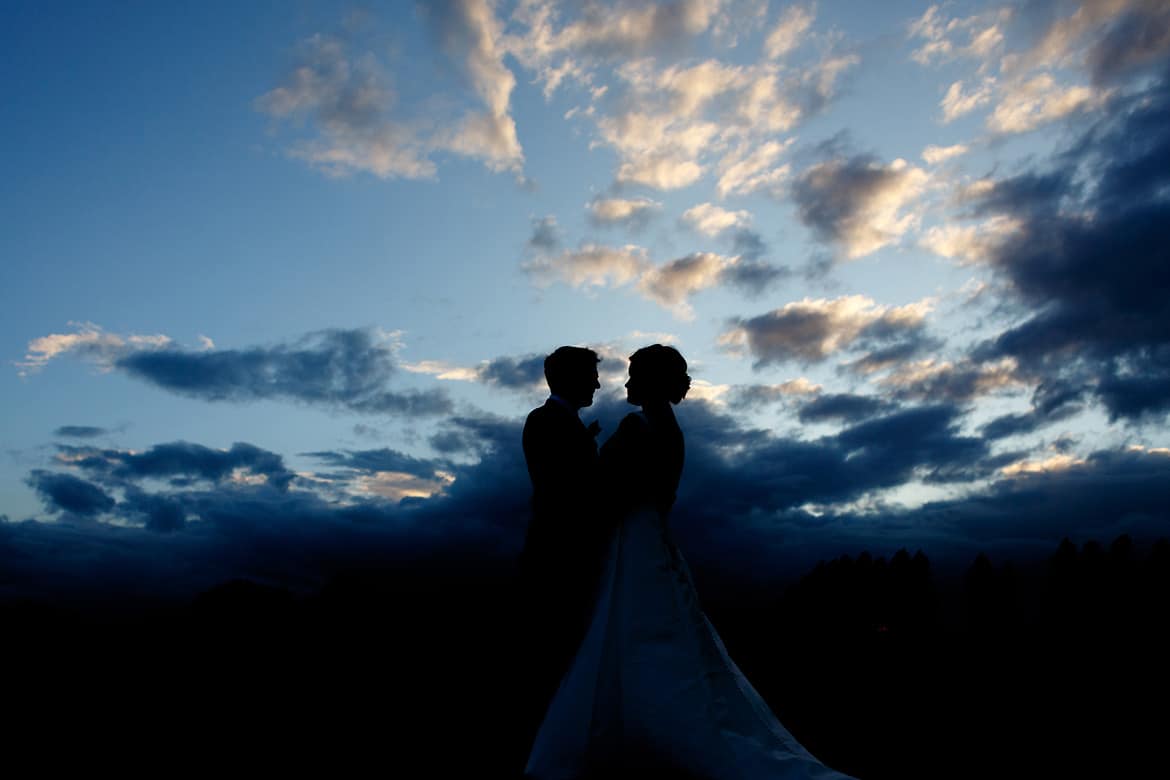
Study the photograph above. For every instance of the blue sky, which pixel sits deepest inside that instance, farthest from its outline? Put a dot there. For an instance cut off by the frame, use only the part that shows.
(328, 231)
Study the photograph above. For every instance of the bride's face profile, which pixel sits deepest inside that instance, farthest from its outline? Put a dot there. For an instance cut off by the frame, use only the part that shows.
(634, 391)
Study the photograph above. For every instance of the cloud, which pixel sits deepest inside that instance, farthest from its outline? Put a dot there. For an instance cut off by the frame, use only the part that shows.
(670, 284)
(80, 431)
(383, 473)
(660, 171)
(970, 243)
(752, 277)
(618, 31)
(514, 373)
(181, 461)
(673, 283)
(843, 407)
(1139, 37)
(857, 202)
(956, 382)
(1086, 260)
(957, 103)
(590, 265)
(809, 331)
(1029, 104)
(907, 346)
(755, 396)
(570, 51)
(748, 244)
(349, 101)
(634, 212)
(442, 370)
(355, 123)
(936, 154)
(980, 36)
(524, 372)
(747, 495)
(752, 168)
(471, 35)
(157, 513)
(789, 31)
(711, 220)
(67, 493)
(341, 369)
(1051, 402)
(669, 123)
(88, 342)
(546, 236)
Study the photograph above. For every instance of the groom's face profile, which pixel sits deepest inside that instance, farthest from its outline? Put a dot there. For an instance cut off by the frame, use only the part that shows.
(572, 375)
(580, 391)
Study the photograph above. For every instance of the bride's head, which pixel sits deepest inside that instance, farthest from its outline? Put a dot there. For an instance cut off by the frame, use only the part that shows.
(657, 373)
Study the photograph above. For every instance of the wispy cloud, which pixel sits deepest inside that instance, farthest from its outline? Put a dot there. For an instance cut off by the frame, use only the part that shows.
(355, 122)
(789, 31)
(89, 342)
(341, 369)
(711, 220)
(633, 212)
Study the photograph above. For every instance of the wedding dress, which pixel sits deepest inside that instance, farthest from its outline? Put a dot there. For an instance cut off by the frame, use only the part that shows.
(652, 691)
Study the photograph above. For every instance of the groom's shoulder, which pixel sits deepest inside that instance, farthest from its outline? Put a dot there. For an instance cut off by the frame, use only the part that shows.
(542, 416)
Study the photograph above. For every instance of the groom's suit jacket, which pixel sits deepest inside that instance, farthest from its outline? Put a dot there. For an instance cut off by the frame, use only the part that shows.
(561, 559)
(563, 464)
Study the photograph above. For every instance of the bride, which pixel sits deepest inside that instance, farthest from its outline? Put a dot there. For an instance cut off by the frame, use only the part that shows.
(651, 691)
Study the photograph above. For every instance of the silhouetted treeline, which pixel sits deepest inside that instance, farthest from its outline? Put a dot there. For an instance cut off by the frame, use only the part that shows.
(879, 666)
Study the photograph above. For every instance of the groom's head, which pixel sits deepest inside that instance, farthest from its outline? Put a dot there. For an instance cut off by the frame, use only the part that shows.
(571, 373)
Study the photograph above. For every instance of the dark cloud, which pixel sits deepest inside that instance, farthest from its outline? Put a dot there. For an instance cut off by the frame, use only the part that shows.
(1138, 396)
(1038, 194)
(843, 407)
(1051, 402)
(894, 354)
(1089, 260)
(747, 496)
(756, 396)
(383, 459)
(956, 383)
(748, 244)
(67, 493)
(546, 236)
(753, 277)
(1112, 492)
(178, 460)
(735, 472)
(809, 331)
(156, 512)
(1138, 39)
(80, 431)
(922, 439)
(345, 369)
(514, 373)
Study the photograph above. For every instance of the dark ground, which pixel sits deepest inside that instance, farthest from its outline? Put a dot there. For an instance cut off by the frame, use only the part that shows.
(876, 668)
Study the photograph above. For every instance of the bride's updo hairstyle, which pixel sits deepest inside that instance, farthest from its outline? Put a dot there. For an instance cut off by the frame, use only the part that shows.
(661, 373)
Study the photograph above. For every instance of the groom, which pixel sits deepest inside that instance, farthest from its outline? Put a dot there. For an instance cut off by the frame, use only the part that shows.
(562, 552)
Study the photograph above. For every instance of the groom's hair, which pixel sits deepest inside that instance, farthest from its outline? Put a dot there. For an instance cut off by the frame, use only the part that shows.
(567, 366)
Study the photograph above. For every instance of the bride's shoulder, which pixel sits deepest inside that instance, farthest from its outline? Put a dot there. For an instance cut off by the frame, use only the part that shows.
(630, 433)
(635, 420)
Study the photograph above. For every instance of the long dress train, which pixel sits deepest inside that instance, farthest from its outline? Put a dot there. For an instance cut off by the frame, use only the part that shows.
(652, 691)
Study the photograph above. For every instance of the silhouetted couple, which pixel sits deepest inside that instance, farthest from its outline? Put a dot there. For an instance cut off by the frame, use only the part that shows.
(632, 678)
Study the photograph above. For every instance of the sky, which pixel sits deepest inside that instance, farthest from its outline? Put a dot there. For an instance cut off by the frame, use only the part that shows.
(276, 279)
